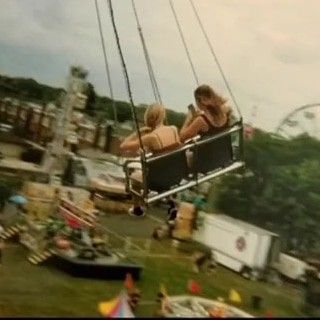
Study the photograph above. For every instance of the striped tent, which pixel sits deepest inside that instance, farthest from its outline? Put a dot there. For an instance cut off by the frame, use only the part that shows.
(116, 308)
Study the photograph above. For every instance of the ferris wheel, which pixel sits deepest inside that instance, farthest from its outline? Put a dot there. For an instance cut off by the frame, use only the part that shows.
(302, 120)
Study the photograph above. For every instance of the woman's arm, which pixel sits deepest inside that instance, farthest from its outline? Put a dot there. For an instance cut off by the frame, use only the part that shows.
(132, 143)
(193, 128)
(192, 113)
(187, 122)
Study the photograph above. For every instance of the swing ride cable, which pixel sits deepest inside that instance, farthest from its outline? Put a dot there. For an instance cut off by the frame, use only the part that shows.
(184, 42)
(147, 58)
(215, 56)
(152, 77)
(126, 76)
(106, 62)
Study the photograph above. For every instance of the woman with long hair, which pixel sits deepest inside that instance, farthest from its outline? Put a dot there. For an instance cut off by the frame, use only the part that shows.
(156, 138)
(212, 116)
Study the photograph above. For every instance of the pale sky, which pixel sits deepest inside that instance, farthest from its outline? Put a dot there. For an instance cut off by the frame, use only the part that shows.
(269, 49)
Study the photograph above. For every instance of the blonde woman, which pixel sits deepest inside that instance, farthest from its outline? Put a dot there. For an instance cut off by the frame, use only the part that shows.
(212, 116)
(156, 138)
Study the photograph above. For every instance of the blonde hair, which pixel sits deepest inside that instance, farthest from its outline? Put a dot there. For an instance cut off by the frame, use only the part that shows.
(154, 115)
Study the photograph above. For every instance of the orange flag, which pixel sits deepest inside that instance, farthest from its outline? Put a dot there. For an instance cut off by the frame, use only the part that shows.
(269, 314)
(194, 287)
(129, 283)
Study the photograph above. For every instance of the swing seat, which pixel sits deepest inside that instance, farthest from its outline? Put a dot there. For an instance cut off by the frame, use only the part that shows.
(169, 173)
(168, 170)
(161, 175)
(216, 155)
(215, 152)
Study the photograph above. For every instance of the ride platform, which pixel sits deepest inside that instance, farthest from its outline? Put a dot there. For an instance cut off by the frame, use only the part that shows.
(108, 267)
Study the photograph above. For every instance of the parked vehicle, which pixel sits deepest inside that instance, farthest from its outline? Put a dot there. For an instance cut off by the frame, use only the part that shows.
(240, 246)
(292, 268)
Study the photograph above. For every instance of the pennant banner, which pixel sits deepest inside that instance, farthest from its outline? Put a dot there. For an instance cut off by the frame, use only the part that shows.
(116, 308)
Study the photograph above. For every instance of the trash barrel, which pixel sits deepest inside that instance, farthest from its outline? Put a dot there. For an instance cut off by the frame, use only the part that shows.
(256, 302)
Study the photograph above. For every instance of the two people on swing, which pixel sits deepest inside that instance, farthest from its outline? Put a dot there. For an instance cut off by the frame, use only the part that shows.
(211, 116)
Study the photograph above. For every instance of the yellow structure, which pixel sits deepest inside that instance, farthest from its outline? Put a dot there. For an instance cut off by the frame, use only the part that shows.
(41, 198)
(235, 297)
(163, 290)
(105, 308)
(89, 207)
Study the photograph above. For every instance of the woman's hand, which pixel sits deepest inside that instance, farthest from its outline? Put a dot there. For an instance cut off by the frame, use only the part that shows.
(189, 117)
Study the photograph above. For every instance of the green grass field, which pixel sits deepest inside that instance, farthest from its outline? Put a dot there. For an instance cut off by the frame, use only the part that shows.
(28, 290)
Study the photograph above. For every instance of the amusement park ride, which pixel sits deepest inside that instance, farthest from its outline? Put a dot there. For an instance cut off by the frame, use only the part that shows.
(69, 232)
(72, 234)
(212, 156)
(74, 98)
(198, 307)
(302, 120)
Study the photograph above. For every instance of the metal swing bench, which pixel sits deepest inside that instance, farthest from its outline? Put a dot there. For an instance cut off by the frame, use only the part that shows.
(172, 172)
(169, 173)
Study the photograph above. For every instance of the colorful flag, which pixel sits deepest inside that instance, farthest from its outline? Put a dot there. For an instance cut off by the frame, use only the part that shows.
(116, 308)
(194, 287)
(129, 283)
(234, 296)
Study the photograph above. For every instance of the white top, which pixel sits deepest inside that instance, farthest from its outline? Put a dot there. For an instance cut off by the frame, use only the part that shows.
(245, 225)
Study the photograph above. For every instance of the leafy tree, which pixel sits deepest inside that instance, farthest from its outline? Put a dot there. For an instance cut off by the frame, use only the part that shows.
(279, 190)
(96, 105)
(123, 111)
(28, 89)
(175, 118)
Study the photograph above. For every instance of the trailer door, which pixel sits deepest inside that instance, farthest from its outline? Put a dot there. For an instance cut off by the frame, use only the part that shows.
(274, 252)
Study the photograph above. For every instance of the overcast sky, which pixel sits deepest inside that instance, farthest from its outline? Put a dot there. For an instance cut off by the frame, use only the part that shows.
(269, 49)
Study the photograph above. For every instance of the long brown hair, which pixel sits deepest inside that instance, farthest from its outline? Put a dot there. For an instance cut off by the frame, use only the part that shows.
(216, 112)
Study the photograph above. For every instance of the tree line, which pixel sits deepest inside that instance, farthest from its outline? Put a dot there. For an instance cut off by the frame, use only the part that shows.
(96, 107)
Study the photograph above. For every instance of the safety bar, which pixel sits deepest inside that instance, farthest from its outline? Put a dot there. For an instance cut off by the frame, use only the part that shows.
(217, 136)
(234, 166)
(174, 190)
(150, 157)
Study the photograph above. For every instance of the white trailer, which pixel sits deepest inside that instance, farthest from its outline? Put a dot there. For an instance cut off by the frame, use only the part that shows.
(238, 245)
(293, 268)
